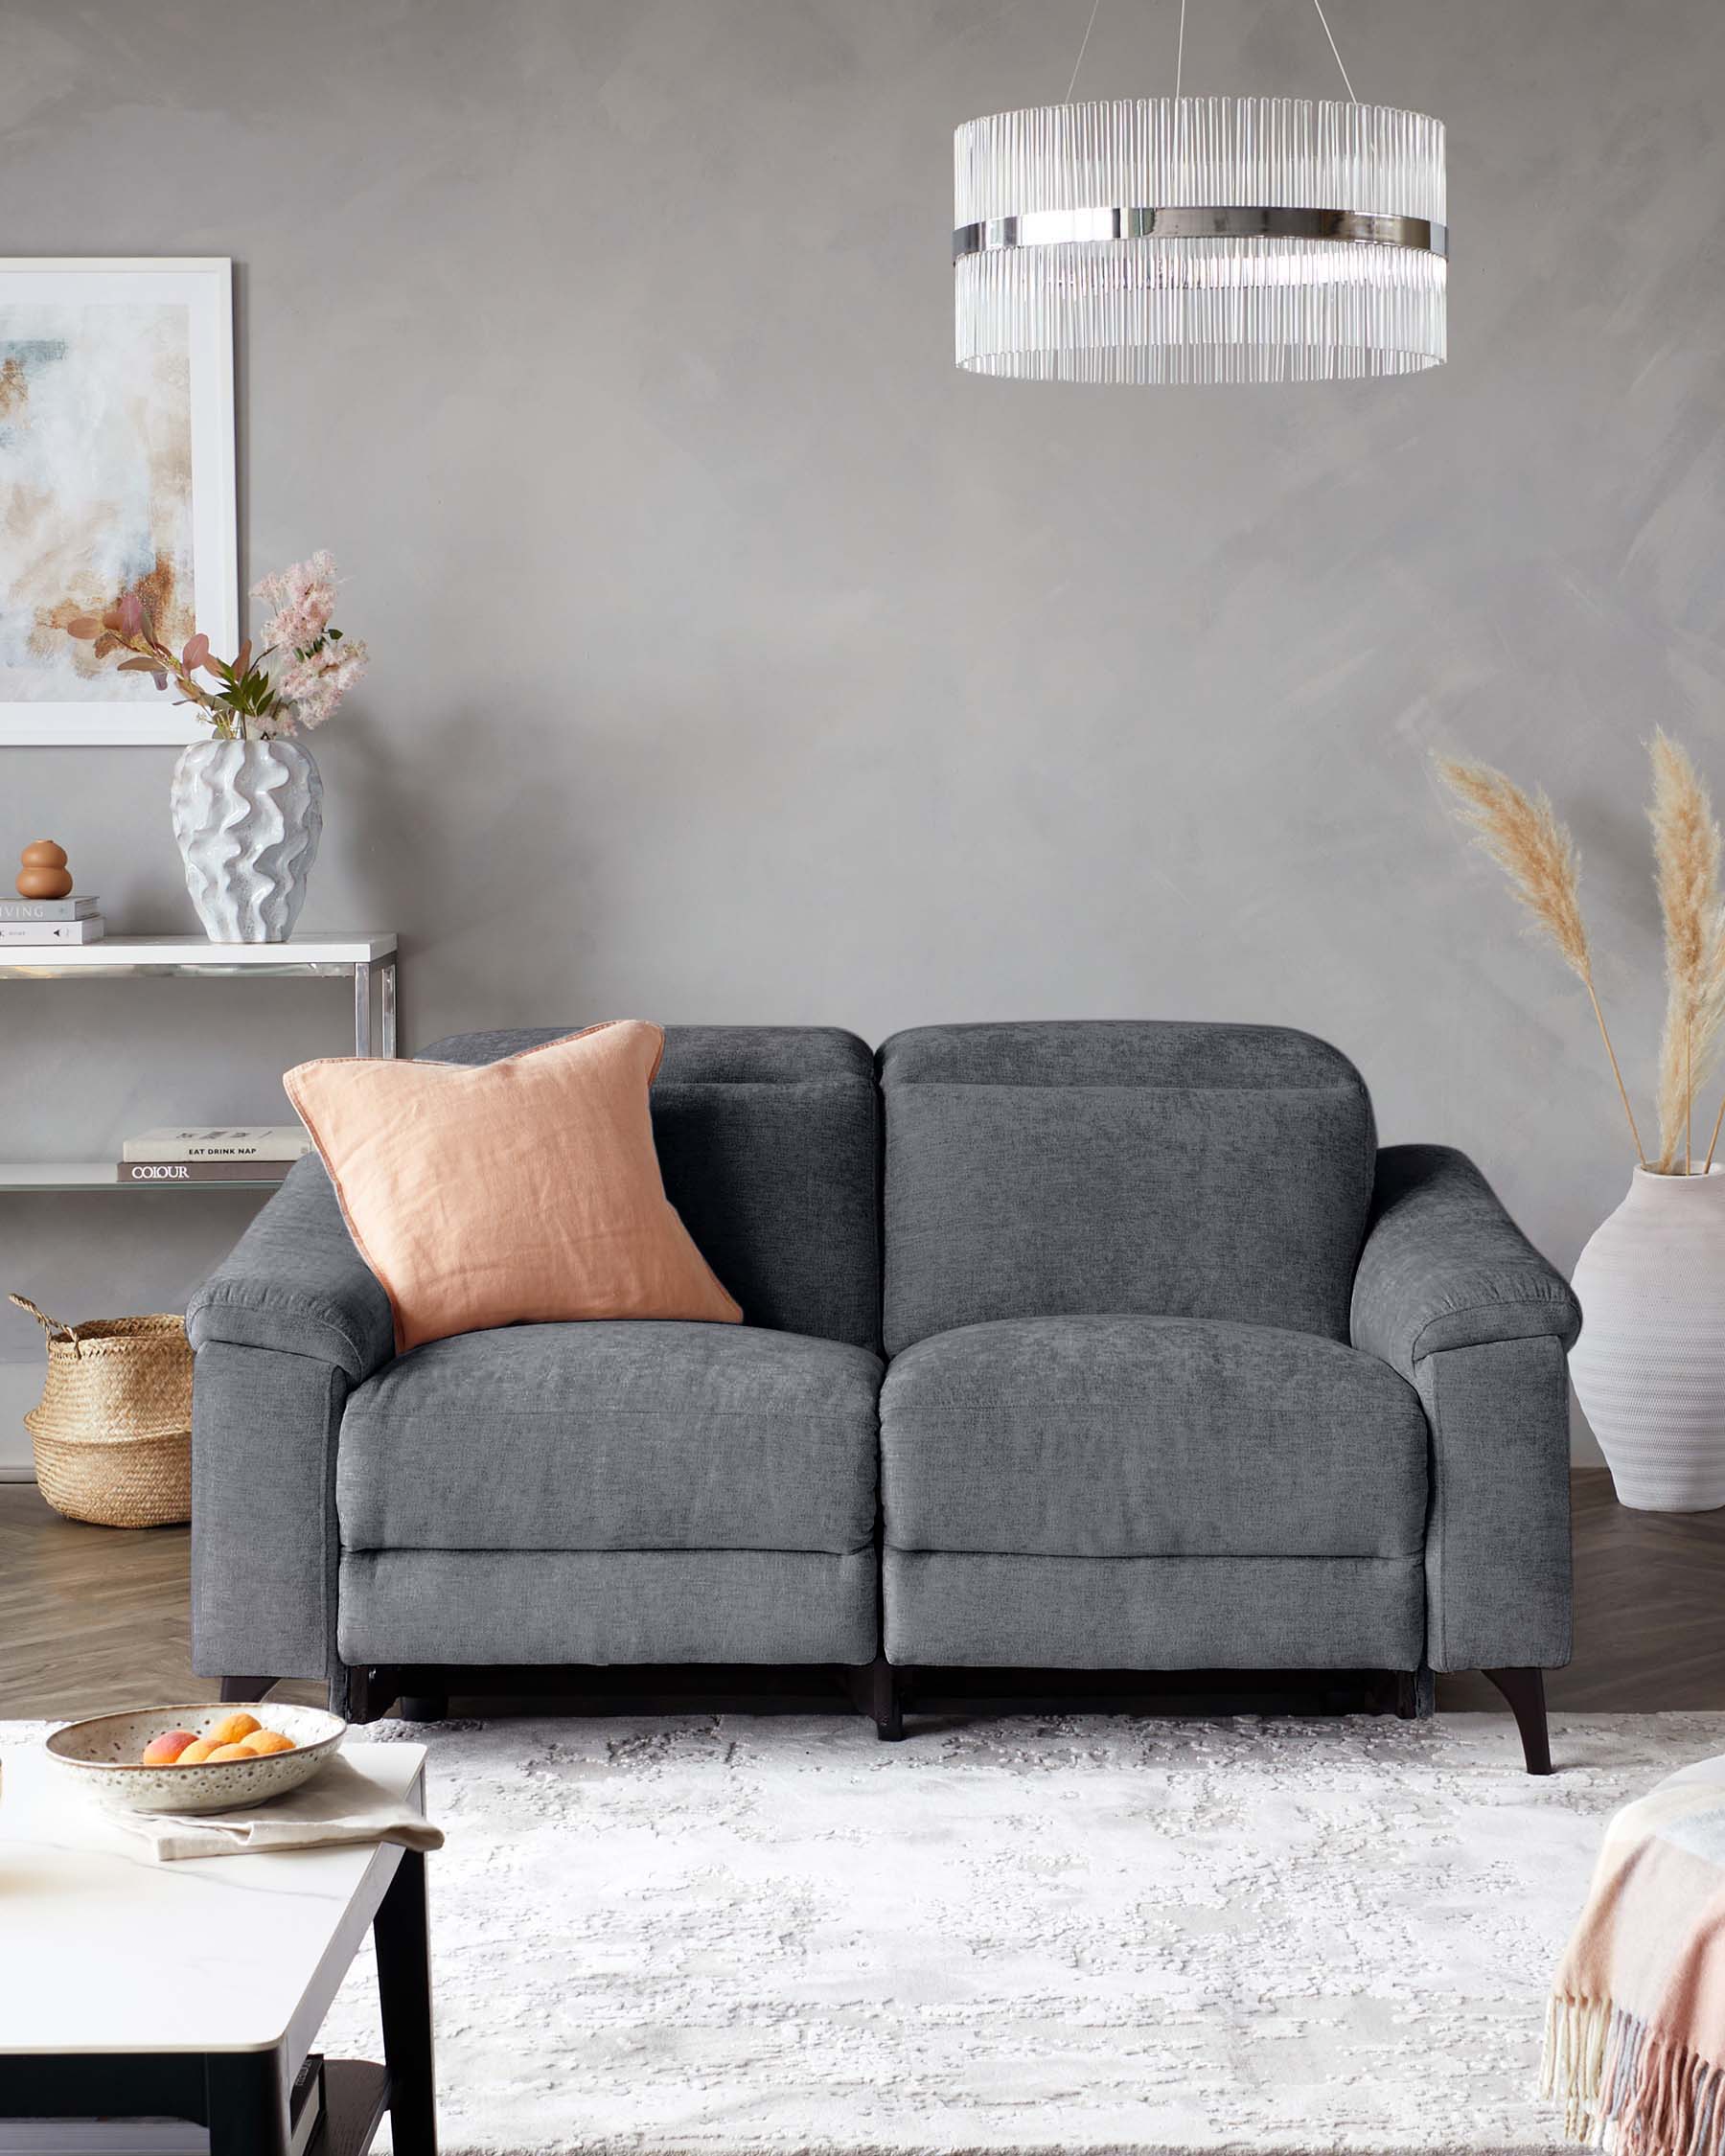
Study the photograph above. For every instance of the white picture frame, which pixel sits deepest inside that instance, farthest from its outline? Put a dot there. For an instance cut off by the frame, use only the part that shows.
(201, 507)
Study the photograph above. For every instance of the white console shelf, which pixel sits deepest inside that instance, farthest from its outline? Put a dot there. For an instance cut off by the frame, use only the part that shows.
(332, 953)
(367, 958)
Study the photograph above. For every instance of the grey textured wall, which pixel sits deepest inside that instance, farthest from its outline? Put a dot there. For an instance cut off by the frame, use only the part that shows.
(737, 659)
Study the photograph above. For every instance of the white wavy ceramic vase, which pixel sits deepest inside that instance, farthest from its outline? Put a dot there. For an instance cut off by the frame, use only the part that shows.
(248, 815)
(1649, 1368)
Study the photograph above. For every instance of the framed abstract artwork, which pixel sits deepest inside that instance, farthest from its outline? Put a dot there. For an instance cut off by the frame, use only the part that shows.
(116, 476)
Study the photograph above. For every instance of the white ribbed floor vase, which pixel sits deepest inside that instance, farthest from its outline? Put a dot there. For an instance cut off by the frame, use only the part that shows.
(752, 1933)
(1649, 1368)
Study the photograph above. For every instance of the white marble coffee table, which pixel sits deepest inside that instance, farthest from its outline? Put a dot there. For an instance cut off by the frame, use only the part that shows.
(196, 1989)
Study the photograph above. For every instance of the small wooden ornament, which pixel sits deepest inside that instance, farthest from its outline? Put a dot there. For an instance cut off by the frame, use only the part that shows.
(44, 873)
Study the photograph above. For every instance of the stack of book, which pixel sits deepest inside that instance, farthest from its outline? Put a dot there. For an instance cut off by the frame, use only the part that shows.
(306, 2105)
(50, 920)
(213, 1153)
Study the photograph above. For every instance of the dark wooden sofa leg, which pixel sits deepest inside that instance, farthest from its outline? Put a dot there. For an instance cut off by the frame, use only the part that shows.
(885, 1704)
(243, 1690)
(370, 1694)
(1525, 1690)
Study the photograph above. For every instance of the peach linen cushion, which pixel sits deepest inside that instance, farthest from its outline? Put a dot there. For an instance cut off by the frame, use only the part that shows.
(523, 1191)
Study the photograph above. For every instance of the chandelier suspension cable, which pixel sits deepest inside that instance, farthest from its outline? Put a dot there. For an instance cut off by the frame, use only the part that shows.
(1084, 47)
(1180, 50)
(1334, 48)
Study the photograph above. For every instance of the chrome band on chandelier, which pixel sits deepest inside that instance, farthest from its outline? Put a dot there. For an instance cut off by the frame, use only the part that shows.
(1056, 228)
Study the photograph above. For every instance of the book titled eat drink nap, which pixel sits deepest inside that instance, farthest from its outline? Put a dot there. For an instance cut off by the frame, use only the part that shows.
(217, 1141)
(213, 1152)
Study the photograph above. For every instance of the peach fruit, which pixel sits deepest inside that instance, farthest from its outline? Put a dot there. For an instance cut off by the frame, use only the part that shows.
(233, 1726)
(164, 1750)
(262, 1742)
(194, 1754)
(229, 1751)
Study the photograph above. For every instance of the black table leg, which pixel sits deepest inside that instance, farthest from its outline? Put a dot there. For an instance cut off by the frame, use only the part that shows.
(245, 2093)
(405, 1997)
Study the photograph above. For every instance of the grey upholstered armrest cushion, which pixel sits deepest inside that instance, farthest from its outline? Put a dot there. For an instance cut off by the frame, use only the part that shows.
(295, 1283)
(1444, 1265)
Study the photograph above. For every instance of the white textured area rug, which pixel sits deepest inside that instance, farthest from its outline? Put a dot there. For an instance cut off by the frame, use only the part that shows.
(1085, 1933)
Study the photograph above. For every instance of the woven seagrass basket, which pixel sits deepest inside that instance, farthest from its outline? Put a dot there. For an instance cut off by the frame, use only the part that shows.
(112, 1432)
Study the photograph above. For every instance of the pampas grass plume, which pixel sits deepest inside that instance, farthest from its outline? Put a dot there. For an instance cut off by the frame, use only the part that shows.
(1686, 858)
(1523, 837)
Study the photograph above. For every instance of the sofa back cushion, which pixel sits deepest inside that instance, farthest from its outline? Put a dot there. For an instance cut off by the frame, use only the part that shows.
(769, 1142)
(1122, 1166)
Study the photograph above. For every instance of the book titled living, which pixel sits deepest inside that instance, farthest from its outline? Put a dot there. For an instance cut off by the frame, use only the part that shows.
(213, 1152)
(13, 909)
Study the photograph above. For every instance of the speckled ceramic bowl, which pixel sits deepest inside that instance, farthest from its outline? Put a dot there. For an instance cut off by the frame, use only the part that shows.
(100, 1756)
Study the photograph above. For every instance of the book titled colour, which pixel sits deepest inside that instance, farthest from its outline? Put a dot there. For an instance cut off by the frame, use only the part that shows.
(203, 1171)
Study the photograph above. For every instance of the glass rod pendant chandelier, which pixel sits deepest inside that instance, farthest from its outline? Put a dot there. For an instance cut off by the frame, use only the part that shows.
(1199, 239)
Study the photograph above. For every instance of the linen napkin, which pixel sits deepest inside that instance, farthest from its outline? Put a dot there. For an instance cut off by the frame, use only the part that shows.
(340, 1805)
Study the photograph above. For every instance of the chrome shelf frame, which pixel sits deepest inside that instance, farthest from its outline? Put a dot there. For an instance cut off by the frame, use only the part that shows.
(368, 960)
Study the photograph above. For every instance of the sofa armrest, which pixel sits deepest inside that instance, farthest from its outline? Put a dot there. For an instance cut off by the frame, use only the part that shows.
(1451, 1293)
(1445, 1267)
(265, 1545)
(294, 1283)
(284, 1328)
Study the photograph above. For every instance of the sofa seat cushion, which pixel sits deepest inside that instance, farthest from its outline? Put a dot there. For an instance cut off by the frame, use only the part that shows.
(609, 1606)
(1150, 1436)
(614, 1436)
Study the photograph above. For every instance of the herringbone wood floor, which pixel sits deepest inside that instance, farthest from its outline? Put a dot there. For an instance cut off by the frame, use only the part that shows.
(96, 1617)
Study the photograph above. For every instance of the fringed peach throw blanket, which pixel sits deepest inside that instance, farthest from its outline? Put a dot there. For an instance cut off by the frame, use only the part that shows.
(1635, 2032)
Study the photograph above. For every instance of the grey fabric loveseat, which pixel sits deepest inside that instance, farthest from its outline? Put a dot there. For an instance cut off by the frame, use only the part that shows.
(1068, 1346)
